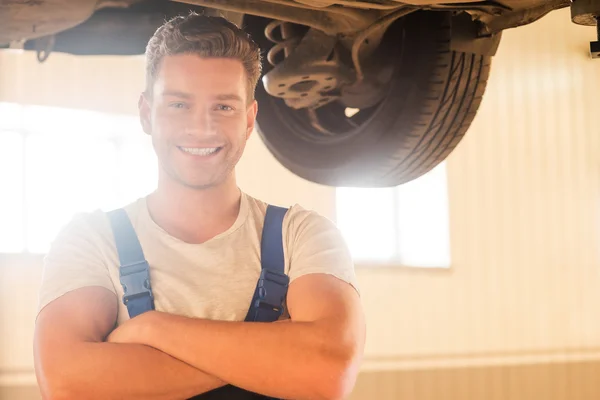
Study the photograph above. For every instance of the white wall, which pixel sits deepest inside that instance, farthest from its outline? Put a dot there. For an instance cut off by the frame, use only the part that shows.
(524, 193)
(20, 278)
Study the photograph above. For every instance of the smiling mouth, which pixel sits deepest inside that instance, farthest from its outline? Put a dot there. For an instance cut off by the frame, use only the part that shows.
(200, 151)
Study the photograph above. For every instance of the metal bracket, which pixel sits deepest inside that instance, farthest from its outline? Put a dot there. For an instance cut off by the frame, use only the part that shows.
(466, 37)
(595, 46)
(44, 47)
(587, 12)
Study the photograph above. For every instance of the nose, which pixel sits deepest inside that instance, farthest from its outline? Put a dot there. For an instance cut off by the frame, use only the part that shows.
(200, 124)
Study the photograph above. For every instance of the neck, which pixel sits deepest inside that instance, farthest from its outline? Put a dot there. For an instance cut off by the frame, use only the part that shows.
(195, 215)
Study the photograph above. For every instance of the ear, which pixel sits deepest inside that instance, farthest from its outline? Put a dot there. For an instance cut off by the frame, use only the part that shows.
(251, 118)
(145, 115)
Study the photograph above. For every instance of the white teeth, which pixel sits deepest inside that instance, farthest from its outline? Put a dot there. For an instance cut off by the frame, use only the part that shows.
(199, 151)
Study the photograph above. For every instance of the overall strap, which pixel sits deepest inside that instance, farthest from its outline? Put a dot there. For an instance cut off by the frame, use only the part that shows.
(134, 271)
(271, 290)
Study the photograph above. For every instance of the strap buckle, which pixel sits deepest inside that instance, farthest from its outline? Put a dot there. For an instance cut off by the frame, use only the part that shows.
(135, 279)
(271, 291)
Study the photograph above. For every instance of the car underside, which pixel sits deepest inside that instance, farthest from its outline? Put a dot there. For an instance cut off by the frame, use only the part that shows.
(353, 93)
(34, 19)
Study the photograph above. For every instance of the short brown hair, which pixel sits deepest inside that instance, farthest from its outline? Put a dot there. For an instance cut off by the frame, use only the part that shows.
(206, 36)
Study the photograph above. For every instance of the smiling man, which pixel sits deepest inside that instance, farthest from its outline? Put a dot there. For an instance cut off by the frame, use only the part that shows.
(190, 327)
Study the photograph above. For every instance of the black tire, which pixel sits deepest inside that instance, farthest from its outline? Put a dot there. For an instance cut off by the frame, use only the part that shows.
(432, 99)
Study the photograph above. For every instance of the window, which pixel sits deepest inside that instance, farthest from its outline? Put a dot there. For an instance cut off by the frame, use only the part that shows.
(407, 225)
(57, 162)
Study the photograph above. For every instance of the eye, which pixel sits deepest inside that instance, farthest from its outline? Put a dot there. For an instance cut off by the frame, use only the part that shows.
(224, 107)
(178, 105)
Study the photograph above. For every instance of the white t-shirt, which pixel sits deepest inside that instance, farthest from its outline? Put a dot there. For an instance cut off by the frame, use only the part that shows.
(213, 280)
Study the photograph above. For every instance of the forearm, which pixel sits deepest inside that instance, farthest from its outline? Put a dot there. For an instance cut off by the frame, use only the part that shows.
(296, 360)
(108, 370)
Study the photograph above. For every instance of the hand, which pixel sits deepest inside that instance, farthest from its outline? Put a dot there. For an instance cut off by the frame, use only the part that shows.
(132, 331)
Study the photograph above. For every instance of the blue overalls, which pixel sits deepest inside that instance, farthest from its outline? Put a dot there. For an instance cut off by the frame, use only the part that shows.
(267, 303)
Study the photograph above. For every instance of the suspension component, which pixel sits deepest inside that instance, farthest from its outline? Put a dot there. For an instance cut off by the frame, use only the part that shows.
(288, 41)
(308, 76)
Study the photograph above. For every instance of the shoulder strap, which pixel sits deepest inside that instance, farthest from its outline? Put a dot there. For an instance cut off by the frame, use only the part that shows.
(271, 244)
(271, 290)
(134, 271)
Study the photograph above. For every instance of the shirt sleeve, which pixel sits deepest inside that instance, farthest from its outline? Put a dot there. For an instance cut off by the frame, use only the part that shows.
(316, 245)
(74, 261)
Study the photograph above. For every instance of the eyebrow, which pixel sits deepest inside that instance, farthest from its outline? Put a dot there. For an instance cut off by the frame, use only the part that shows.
(220, 97)
(231, 96)
(176, 93)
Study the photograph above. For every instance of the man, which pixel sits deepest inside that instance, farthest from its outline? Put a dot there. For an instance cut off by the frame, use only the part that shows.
(201, 237)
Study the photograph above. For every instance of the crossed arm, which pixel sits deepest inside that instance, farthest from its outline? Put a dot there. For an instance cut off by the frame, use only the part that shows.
(314, 355)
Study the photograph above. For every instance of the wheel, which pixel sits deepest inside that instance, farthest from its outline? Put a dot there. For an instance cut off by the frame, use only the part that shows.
(431, 96)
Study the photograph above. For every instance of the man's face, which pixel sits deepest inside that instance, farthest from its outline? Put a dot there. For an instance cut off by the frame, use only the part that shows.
(199, 118)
